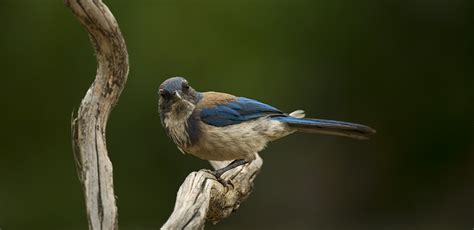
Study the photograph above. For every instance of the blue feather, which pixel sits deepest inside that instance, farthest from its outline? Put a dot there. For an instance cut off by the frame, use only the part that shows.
(316, 122)
(327, 126)
(238, 111)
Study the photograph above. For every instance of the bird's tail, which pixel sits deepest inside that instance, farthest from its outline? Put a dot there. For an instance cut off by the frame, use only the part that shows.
(297, 121)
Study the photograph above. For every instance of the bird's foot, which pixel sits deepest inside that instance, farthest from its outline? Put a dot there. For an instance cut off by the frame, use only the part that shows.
(226, 183)
(218, 173)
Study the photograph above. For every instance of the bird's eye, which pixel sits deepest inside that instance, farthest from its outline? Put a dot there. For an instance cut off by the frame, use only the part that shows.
(185, 85)
(163, 93)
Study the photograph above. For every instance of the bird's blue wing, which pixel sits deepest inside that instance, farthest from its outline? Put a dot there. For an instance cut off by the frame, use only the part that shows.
(240, 110)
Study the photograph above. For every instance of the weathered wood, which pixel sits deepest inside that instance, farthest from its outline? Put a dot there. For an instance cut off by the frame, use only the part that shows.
(88, 128)
(201, 197)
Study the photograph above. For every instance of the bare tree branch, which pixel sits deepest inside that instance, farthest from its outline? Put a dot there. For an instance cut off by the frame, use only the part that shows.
(88, 128)
(201, 197)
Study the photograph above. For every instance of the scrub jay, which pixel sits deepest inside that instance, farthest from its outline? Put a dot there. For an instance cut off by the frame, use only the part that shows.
(222, 127)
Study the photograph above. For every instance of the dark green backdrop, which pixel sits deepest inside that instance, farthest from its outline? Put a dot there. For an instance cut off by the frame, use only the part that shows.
(404, 67)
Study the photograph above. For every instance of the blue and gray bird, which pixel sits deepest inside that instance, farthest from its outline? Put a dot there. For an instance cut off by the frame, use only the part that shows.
(222, 127)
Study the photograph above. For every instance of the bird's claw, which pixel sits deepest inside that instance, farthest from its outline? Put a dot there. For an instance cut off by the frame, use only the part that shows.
(217, 174)
(226, 183)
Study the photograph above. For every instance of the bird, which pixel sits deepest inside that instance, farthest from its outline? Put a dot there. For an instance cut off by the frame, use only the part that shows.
(222, 127)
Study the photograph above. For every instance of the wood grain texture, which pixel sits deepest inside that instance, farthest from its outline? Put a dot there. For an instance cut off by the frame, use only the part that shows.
(89, 126)
(201, 197)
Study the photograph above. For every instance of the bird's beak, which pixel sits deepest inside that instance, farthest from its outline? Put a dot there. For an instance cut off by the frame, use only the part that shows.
(178, 95)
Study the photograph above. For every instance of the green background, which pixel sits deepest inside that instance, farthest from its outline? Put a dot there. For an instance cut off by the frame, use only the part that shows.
(403, 67)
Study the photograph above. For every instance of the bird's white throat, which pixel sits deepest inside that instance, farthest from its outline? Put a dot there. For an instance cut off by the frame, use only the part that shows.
(176, 121)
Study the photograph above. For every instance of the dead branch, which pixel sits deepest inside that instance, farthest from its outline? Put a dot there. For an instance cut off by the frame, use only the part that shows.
(88, 128)
(201, 197)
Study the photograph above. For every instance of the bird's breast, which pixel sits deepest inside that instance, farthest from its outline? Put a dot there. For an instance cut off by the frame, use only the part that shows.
(177, 123)
(177, 131)
(239, 141)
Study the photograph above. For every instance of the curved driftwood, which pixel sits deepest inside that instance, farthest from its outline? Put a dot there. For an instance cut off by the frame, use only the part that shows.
(88, 128)
(201, 197)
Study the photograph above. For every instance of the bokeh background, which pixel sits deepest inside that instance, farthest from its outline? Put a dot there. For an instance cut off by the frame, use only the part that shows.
(403, 67)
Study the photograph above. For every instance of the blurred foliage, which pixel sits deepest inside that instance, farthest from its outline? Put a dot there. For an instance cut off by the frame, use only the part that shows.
(403, 67)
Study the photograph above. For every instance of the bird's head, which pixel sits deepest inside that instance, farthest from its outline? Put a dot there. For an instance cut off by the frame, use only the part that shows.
(177, 98)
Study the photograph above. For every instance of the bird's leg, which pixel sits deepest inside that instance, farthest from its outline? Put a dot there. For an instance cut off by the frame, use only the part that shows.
(218, 173)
